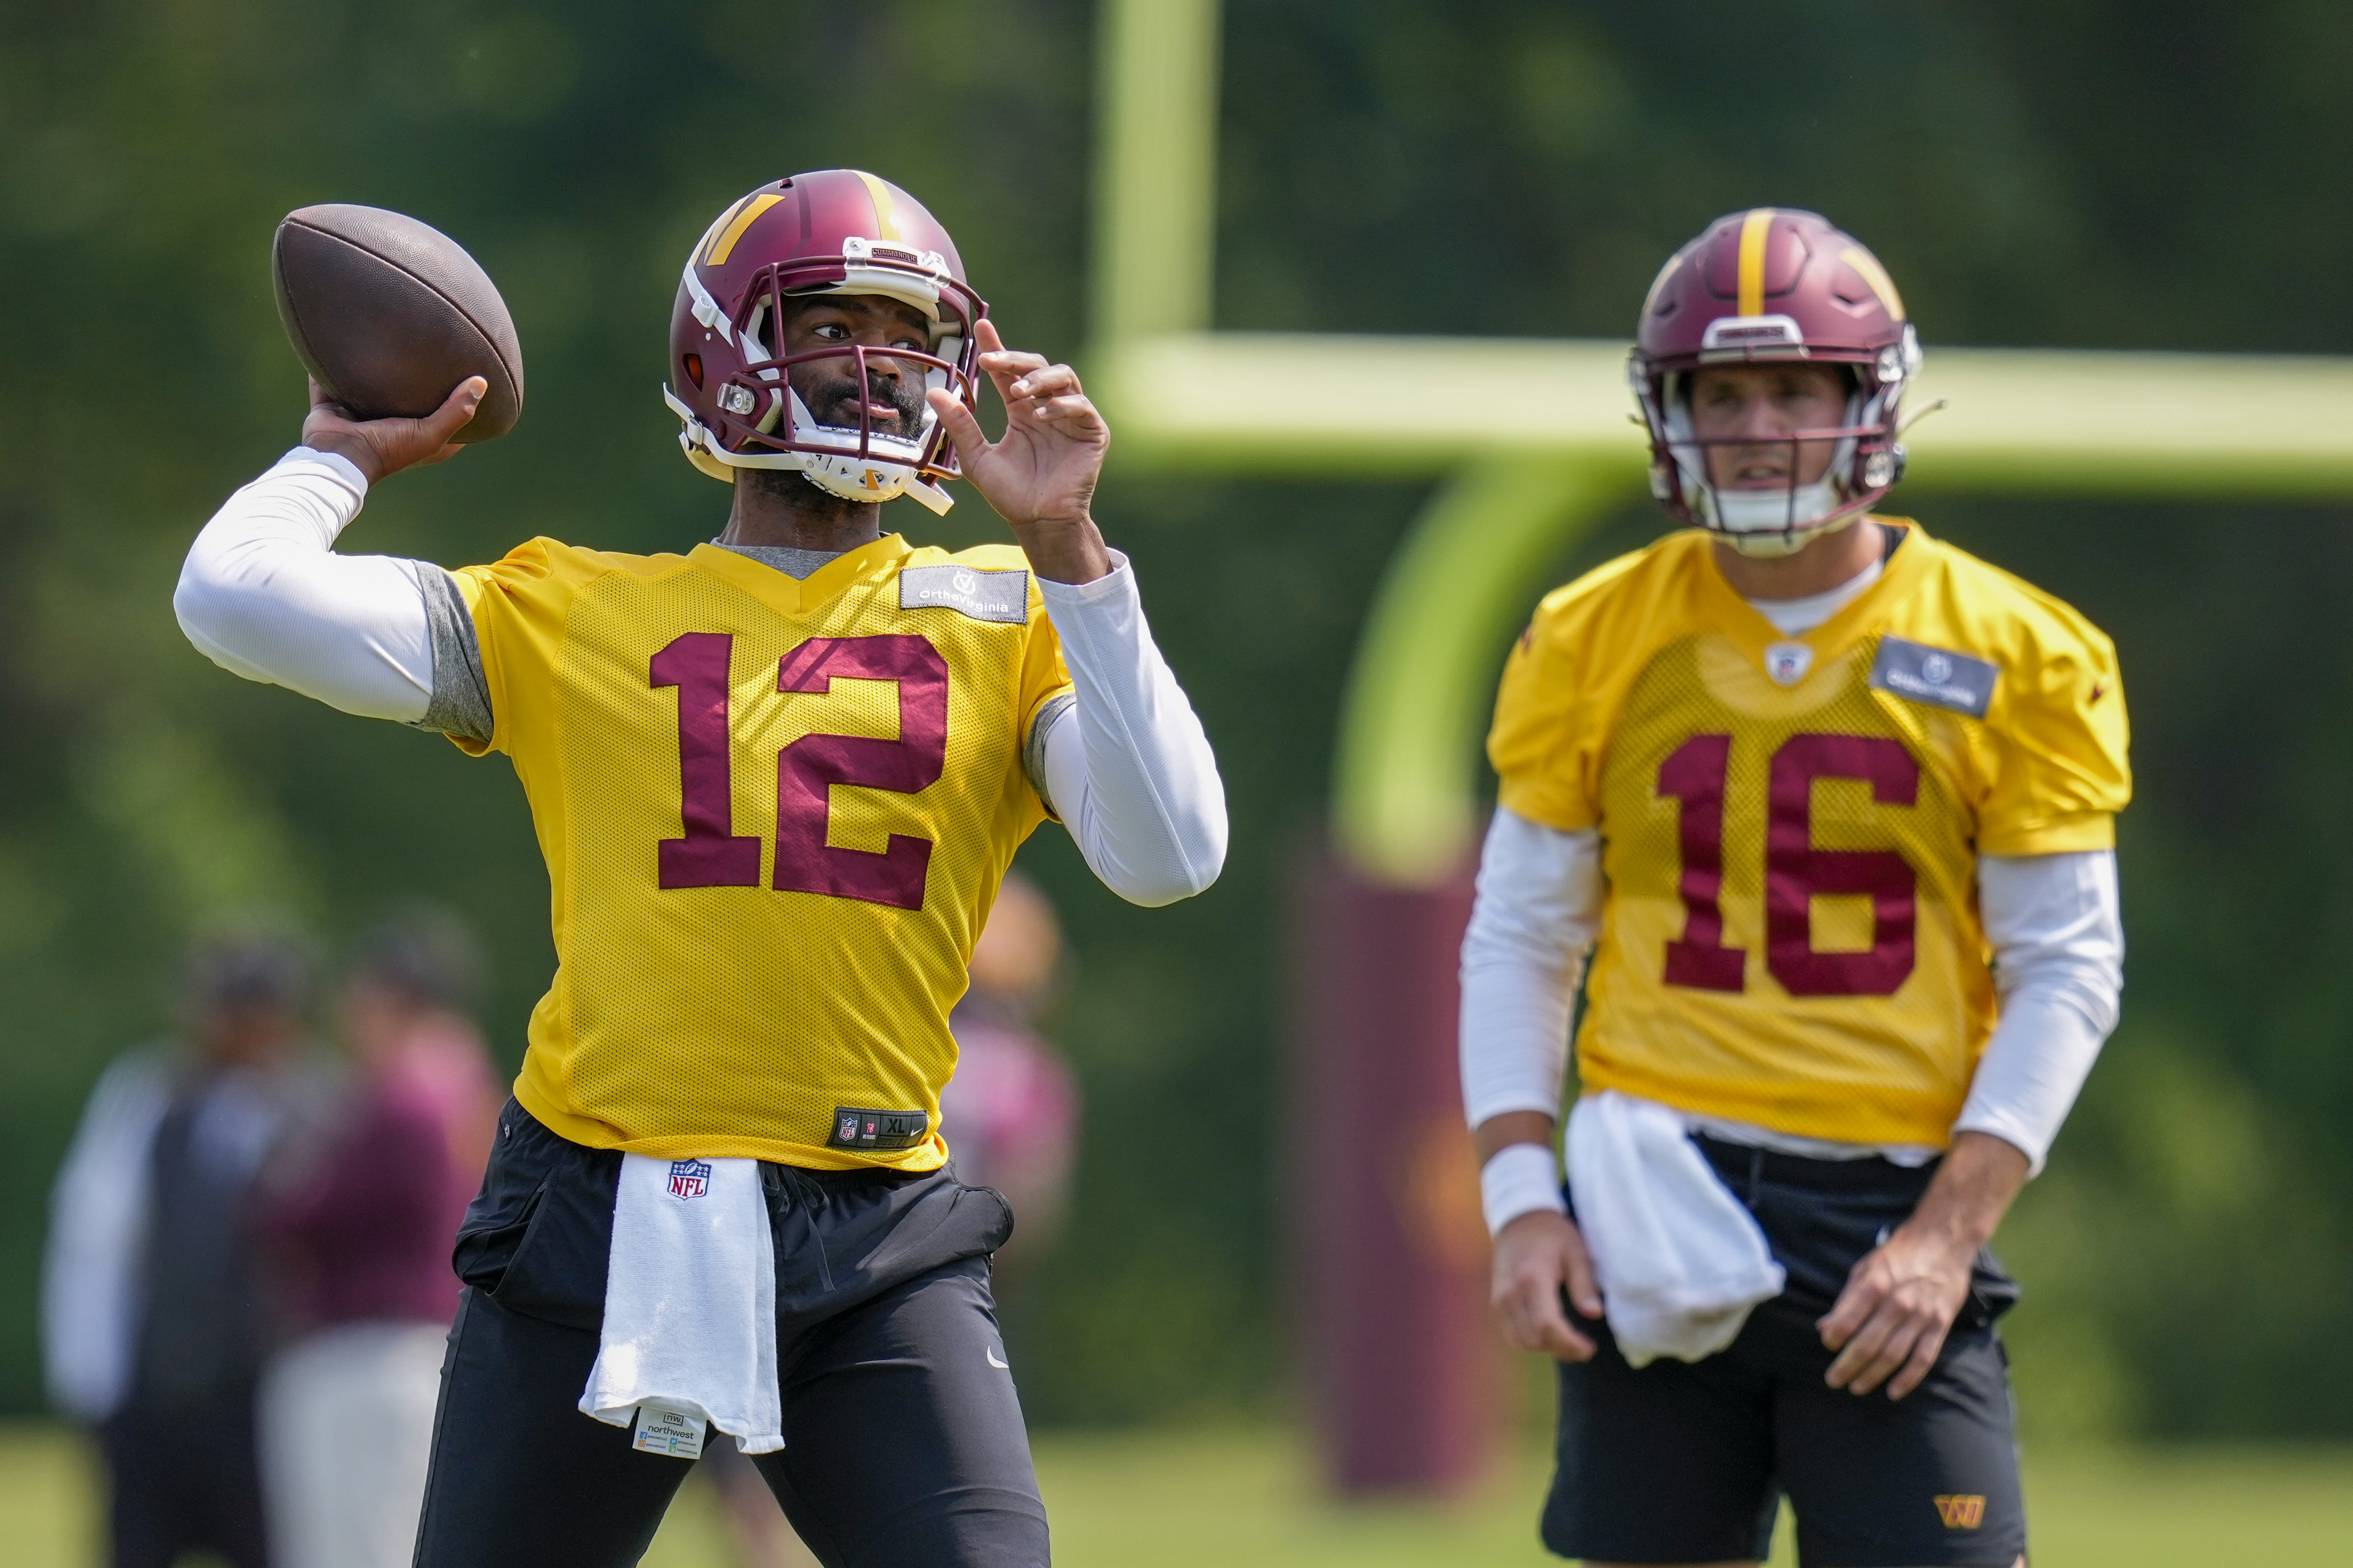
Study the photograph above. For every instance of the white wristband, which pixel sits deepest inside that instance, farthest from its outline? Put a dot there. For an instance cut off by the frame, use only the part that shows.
(1521, 1179)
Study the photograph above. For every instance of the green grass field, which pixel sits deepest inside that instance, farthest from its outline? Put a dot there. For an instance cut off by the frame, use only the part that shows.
(1241, 1498)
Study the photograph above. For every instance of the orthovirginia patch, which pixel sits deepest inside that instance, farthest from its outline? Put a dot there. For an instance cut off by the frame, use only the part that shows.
(1935, 675)
(1001, 595)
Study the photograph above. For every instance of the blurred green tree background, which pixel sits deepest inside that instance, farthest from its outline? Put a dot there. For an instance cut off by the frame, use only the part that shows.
(2072, 173)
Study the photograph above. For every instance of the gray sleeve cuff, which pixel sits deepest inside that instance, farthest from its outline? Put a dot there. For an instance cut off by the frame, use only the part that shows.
(1033, 749)
(460, 703)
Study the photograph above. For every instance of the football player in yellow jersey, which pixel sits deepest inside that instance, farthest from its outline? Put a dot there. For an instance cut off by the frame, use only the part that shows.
(777, 781)
(1833, 803)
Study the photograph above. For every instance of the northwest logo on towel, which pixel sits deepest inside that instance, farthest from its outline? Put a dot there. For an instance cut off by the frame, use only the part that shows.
(690, 1178)
(1961, 1511)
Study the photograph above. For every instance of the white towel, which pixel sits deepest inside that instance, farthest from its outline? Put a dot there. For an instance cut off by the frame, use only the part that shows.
(691, 1301)
(1679, 1260)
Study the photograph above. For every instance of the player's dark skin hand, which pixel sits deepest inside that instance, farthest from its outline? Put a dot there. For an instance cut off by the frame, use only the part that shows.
(1900, 1298)
(1040, 474)
(380, 448)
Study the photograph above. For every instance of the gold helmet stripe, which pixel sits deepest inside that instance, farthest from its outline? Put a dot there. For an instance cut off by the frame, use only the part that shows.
(724, 246)
(1872, 273)
(1753, 231)
(886, 215)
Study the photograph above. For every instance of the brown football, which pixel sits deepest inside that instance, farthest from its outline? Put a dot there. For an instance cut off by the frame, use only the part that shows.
(388, 314)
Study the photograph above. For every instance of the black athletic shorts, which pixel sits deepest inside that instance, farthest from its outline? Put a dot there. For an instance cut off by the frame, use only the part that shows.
(1687, 1461)
(904, 1438)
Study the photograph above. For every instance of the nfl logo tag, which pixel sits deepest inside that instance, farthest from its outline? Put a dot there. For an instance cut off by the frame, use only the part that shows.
(847, 1131)
(1786, 662)
(690, 1178)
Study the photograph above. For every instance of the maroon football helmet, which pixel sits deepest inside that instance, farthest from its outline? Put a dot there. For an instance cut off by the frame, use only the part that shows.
(1772, 284)
(837, 231)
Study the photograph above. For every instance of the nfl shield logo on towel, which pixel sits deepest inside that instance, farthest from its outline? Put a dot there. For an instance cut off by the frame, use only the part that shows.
(690, 1178)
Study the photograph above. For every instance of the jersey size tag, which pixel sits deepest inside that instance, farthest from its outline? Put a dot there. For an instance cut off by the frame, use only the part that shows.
(857, 1129)
(1001, 595)
(1935, 675)
(673, 1432)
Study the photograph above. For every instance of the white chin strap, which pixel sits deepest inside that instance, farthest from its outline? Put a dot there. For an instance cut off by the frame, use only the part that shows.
(887, 473)
(1771, 522)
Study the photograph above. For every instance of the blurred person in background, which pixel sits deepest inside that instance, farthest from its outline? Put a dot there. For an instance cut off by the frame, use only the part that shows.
(358, 1221)
(1838, 803)
(153, 1319)
(1011, 1114)
(1012, 1109)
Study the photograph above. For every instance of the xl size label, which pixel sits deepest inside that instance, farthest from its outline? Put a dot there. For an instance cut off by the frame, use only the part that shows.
(856, 1129)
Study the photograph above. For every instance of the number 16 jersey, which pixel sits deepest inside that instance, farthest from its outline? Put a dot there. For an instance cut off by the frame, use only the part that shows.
(1790, 825)
(775, 815)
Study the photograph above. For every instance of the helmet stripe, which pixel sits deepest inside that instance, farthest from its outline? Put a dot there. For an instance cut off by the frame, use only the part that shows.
(1754, 228)
(724, 246)
(886, 216)
(1872, 273)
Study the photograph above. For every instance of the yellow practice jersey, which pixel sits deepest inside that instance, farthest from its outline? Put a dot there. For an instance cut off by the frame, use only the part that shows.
(1790, 825)
(774, 816)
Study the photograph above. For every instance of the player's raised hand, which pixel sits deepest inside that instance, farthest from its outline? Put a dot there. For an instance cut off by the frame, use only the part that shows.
(1538, 1257)
(1041, 474)
(382, 447)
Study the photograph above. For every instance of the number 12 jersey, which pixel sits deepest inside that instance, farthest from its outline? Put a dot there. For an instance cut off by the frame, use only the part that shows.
(775, 815)
(1790, 825)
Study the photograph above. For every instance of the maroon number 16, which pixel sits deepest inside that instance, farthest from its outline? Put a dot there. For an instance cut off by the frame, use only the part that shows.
(1795, 871)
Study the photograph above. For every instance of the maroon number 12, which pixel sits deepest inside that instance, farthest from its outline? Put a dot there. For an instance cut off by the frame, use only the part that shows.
(711, 854)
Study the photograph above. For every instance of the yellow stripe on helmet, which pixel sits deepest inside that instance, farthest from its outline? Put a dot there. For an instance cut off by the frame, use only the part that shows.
(1872, 273)
(886, 215)
(1754, 228)
(724, 246)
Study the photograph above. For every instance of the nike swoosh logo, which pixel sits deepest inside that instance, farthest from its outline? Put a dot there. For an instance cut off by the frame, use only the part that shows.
(1002, 1367)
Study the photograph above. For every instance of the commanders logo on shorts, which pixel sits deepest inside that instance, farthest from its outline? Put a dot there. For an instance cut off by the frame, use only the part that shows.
(1961, 1511)
(690, 1178)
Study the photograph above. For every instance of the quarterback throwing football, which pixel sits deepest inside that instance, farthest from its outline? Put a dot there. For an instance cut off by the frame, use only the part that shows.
(1832, 802)
(777, 781)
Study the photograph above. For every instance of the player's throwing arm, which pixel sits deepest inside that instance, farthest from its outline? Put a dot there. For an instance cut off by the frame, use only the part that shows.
(1787, 775)
(777, 778)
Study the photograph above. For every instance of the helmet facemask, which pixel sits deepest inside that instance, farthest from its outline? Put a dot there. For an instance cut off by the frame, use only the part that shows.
(1764, 522)
(761, 420)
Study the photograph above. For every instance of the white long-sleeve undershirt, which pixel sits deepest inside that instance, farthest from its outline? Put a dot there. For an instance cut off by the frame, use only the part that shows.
(1126, 765)
(2053, 921)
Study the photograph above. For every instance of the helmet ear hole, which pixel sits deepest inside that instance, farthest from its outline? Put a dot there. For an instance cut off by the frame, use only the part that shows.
(693, 363)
